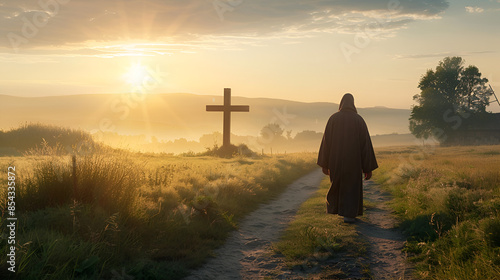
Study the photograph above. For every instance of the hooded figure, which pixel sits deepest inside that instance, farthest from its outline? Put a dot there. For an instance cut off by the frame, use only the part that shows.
(345, 153)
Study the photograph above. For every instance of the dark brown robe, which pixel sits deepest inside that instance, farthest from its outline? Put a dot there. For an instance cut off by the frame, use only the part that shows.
(347, 151)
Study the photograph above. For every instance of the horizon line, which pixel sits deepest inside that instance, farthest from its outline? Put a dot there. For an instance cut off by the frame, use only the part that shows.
(195, 94)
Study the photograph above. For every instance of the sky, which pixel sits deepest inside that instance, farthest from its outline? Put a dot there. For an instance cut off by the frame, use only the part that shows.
(310, 51)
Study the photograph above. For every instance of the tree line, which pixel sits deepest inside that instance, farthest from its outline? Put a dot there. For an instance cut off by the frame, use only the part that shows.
(453, 98)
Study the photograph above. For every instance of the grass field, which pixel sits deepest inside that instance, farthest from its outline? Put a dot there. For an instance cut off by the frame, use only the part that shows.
(448, 202)
(132, 215)
(151, 216)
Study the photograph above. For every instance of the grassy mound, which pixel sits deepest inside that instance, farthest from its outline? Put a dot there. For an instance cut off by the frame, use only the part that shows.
(39, 136)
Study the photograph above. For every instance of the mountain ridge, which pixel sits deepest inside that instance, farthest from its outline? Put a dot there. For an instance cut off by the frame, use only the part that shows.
(183, 115)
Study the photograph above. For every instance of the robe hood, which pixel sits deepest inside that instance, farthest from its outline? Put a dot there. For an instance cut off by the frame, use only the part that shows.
(347, 103)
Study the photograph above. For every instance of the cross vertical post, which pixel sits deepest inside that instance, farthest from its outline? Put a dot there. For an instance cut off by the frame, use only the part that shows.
(227, 108)
(226, 135)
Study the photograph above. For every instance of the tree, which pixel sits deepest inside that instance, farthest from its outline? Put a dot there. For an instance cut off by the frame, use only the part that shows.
(448, 95)
(272, 130)
(475, 94)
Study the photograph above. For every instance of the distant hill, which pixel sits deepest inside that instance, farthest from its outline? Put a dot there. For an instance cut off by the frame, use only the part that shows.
(172, 116)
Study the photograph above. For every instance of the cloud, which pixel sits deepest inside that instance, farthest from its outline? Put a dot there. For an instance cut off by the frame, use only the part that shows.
(425, 55)
(28, 24)
(441, 54)
(474, 10)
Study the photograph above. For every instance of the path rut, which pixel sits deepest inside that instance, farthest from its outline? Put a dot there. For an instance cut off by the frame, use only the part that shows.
(385, 257)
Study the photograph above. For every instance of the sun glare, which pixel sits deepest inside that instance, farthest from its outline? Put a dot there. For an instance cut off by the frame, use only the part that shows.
(137, 75)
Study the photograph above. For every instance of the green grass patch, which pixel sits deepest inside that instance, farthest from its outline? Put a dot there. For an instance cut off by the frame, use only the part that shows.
(314, 237)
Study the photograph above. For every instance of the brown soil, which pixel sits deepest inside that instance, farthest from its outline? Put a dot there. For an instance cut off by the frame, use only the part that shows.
(386, 261)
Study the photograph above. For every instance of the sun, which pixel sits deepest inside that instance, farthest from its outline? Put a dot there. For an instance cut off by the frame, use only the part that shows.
(137, 75)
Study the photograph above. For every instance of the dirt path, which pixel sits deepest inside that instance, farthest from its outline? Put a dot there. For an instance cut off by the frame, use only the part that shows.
(245, 255)
(385, 243)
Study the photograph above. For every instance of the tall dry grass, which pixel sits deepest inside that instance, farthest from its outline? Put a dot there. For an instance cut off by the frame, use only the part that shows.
(448, 200)
(134, 215)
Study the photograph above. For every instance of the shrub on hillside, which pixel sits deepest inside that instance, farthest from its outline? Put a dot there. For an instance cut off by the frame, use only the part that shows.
(230, 151)
(41, 136)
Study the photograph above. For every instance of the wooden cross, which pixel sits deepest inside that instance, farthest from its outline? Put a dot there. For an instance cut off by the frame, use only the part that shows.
(227, 108)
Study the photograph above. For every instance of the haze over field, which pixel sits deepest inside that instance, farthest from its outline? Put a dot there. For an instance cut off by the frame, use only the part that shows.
(172, 116)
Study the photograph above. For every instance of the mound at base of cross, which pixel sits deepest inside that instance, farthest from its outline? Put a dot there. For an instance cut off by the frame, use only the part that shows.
(231, 150)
